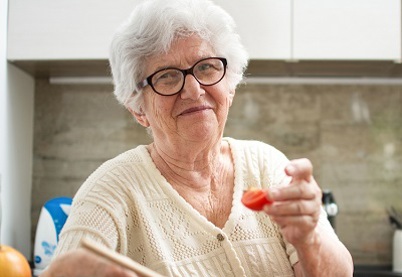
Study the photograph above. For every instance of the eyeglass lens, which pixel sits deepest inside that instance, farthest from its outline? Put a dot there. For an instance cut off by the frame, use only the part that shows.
(170, 81)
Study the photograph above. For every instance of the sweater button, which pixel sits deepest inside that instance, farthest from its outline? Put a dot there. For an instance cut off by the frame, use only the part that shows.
(220, 237)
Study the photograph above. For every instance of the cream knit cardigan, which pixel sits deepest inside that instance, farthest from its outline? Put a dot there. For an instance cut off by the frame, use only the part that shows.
(128, 206)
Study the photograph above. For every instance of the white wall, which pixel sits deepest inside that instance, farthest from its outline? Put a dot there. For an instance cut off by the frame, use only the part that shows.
(3, 106)
(3, 42)
(16, 140)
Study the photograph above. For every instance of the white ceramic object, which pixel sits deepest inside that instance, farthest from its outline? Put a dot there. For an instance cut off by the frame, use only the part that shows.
(397, 252)
(51, 220)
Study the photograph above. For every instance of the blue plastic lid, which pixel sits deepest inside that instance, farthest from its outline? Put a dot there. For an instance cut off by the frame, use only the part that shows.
(54, 207)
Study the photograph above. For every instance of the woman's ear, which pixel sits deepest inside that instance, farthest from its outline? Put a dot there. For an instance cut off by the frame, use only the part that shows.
(140, 117)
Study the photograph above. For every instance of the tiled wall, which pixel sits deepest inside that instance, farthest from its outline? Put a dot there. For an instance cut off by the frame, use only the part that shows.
(352, 134)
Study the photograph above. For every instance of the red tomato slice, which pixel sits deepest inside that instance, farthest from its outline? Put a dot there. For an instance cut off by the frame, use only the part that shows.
(255, 199)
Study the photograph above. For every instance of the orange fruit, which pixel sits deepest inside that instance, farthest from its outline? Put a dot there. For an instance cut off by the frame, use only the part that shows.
(13, 263)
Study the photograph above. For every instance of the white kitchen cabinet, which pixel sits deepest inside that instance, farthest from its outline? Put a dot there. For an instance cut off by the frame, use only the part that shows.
(264, 26)
(346, 30)
(63, 29)
(74, 29)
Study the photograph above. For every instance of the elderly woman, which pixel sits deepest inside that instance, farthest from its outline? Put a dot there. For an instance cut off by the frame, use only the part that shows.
(175, 205)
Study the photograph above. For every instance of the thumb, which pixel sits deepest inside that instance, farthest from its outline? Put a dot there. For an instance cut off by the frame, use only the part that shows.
(300, 169)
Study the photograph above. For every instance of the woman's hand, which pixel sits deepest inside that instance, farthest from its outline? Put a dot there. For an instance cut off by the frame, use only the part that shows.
(81, 263)
(296, 207)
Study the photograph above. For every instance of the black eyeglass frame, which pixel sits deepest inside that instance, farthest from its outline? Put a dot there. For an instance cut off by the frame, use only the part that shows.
(148, 80)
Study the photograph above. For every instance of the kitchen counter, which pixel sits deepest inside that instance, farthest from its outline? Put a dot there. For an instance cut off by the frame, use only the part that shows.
(375, 271)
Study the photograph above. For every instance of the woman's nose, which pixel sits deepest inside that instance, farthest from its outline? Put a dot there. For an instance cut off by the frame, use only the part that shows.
(192, 89)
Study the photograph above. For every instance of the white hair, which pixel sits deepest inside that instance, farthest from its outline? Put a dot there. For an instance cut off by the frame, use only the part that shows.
(154, 25)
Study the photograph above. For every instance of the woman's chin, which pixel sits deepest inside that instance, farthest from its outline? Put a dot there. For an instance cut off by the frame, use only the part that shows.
(199, 131)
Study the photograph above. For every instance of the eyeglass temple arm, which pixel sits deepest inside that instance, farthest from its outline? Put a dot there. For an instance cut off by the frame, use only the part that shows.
(142, 84)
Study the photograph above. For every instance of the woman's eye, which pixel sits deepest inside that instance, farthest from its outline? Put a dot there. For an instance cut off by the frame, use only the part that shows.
(204, 66)
(166, 76)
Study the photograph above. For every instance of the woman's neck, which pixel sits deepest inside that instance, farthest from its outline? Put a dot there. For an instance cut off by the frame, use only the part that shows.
(195, 168)
(207, 183)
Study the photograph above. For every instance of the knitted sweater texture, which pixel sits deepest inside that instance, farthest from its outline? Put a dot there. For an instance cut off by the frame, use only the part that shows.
(128, 206)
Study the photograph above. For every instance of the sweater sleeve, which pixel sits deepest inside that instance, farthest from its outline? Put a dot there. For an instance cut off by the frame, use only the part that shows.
(99, 211)
(89, 218)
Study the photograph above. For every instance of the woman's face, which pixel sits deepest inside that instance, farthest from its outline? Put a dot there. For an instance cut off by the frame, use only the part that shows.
(197, 113)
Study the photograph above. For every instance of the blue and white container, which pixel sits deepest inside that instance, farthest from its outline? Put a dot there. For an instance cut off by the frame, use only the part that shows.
(51, 220)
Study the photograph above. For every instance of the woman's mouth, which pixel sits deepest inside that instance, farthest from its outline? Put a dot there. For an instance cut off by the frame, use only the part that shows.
(195, 109)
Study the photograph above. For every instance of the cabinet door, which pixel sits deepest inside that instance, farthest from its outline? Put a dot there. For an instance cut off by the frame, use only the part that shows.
(75, 29)
(63, 29)
(264, 26)
(347, 29)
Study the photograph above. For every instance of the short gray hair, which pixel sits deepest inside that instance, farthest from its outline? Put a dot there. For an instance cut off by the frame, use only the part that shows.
(154, 25)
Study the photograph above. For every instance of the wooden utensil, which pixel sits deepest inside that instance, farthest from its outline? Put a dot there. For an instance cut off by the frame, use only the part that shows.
(118, 259)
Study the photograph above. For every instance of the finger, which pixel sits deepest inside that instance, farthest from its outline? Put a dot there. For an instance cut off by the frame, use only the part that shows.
(300, 169)
(293, 208)
(296, 230)
(302, 190)
(302, 222)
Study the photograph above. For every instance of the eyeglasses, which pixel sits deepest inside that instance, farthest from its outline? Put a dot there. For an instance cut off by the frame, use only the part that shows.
(170, 81)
